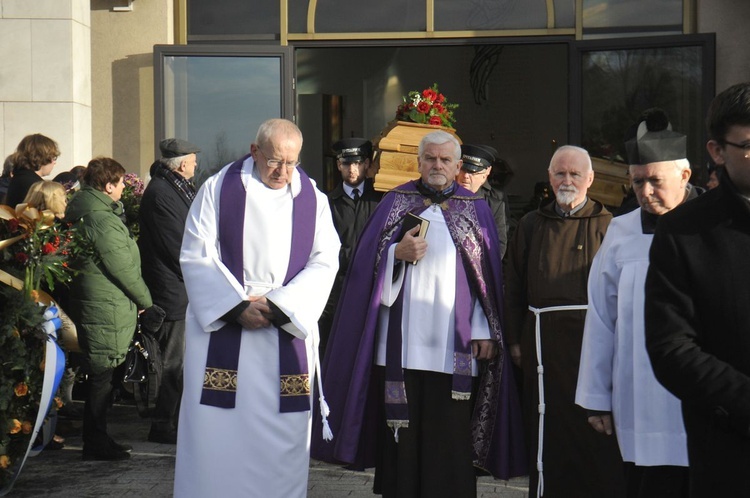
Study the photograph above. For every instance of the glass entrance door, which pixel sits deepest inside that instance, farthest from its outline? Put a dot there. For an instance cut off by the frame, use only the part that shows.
(217, 96)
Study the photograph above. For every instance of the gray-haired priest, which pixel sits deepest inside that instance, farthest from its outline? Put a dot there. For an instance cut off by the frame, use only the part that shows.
(615, 380)
(259, 256)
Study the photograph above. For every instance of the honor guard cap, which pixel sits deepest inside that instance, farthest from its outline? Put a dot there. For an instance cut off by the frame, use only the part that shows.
(652, 139)
(350, 150)
(475, 158)
(176, 147)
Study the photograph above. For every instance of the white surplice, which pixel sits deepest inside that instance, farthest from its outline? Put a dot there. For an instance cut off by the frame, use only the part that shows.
(428, 319)
(615, 372)
(252, 450)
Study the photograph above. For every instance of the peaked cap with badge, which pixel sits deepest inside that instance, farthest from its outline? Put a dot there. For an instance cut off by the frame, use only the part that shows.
(476, 158)
(652, 140)
(354, 149)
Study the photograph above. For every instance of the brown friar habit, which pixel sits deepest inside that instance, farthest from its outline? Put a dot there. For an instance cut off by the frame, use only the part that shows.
(547, 264)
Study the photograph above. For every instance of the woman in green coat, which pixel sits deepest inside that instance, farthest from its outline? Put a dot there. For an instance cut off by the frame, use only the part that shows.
(105, 297)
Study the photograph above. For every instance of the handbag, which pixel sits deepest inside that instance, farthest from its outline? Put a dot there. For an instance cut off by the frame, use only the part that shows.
(143, 368)
(136, 359)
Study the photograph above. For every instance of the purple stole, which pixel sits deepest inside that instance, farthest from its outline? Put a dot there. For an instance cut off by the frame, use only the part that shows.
(220, 379)
(396, 408)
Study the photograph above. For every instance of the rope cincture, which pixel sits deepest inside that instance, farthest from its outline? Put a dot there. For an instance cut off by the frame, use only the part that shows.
(324, 408)
(540, 372)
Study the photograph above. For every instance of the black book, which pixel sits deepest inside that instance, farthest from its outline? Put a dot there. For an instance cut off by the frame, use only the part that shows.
(411, 220)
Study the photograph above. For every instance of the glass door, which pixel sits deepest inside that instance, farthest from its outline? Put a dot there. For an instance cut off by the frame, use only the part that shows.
(217, 96)
(614, 81)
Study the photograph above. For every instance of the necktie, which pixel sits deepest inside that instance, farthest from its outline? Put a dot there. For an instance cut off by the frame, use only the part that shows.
(355, 194)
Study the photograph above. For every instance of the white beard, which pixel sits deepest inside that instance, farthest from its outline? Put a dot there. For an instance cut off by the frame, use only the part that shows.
(566, 197)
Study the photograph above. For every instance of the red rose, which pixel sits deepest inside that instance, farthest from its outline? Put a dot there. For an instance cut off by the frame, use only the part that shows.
(435, 120)
(12, 225)
(423, 107)
(438, 107)
(48, 248)
(22, 257)
(440, 98)
(429, 94)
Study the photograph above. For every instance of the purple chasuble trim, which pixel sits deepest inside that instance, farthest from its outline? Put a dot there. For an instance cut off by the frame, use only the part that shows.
(220, 380)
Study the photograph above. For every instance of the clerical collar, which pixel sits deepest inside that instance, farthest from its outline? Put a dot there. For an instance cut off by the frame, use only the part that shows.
(436, 197)
(566, 214)
(348, 189)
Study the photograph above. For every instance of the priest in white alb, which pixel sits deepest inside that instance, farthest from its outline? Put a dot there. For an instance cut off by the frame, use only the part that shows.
(616, 383)
(259, 256)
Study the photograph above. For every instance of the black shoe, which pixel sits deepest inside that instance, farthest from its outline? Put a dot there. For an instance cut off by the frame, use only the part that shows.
(71, 411)
(162, 436)
(54, 445)
(104, 454)
(119, 446)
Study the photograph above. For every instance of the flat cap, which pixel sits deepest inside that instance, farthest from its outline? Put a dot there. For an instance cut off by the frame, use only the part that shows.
(176, 147)
(475, 158)
(353, 149)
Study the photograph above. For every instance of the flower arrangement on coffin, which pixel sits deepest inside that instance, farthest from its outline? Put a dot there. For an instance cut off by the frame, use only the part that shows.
(131, 201)
(427, 107)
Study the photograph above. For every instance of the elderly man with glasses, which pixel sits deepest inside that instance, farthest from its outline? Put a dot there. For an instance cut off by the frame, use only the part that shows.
(259, 256)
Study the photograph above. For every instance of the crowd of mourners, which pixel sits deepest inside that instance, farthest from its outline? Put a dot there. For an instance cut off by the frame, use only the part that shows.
(406, 331)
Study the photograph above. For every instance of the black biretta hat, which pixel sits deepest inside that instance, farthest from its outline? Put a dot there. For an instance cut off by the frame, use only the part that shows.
(652, 139)
(475, 158)
(353, 149)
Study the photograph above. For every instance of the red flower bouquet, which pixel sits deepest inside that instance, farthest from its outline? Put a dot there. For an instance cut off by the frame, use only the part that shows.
(427, 107)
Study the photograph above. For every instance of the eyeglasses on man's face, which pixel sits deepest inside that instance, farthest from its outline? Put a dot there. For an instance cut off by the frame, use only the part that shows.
(277, 163)
(744, 147)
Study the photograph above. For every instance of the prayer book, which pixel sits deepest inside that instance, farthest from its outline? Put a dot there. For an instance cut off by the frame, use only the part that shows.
(411, 220)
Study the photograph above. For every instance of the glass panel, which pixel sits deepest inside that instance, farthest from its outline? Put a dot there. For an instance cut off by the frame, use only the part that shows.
(233, 17)
(298, 16)
(631, 14)
(218, 104)
(565, 13)
(618, 85)
(451, 15)
(355, 16)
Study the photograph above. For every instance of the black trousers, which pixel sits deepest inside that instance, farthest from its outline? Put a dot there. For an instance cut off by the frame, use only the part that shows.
(171, 337)
(433, 458)
(664, 481)
(96, 407)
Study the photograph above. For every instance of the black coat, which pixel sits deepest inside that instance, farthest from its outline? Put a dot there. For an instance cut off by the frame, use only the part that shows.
(349, 219)
(19, 186)
(500, 212)
(698, 332)
(162, 221)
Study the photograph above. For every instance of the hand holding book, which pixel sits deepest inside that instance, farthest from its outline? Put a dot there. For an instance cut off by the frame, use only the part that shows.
(412, 246)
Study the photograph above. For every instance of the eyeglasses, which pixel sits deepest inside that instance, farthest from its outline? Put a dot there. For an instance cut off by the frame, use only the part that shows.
(277, 163)
(745, 147)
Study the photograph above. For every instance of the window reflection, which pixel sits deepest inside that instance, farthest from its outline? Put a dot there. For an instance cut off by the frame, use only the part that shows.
(631, 13)
(218, 103)
(617, 85)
